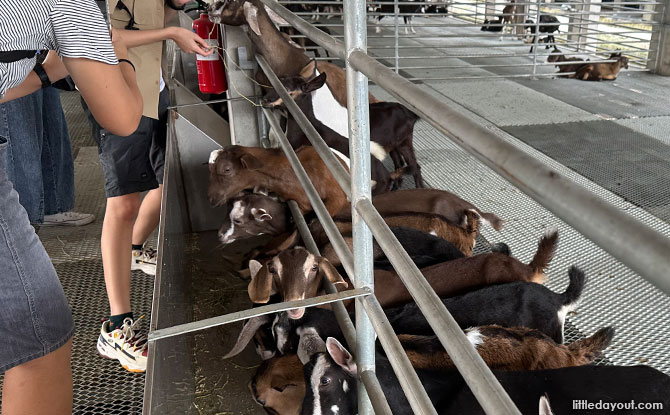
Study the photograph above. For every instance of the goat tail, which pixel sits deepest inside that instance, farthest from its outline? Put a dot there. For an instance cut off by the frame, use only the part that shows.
(377, 151)
(247, 333)
(501, 248)
(492, 219)
(398, 173)
(588, 349)
(545, 251)
(576, 286)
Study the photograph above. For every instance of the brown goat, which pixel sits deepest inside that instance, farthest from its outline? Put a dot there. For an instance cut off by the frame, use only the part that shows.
(603, 71)
(557, 57)
(431, 202)
(236, 168)
(516, 348)
(284, 58)
(279, 385)
(293, 274)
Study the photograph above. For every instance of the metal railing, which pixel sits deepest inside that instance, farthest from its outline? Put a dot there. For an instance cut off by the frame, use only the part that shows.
(589, 29)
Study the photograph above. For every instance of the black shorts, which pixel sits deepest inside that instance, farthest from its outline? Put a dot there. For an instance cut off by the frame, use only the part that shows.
(135, 163)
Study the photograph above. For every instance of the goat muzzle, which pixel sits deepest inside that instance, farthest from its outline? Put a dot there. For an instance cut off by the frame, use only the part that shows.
(296, 313)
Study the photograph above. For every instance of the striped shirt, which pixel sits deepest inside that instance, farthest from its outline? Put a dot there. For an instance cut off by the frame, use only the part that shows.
(73, 28)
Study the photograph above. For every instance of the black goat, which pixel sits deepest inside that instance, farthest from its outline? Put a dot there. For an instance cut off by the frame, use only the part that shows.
(516, 304)
(330, 386)
(548, 24)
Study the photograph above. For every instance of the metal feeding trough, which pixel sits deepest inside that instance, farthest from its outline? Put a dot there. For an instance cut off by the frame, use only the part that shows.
(194, 280)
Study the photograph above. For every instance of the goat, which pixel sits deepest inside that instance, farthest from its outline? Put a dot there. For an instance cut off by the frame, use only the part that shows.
(514, 348)
(548, 24)
(520, 304)
(387, 8)
(279, 385)
(463, 239)
(330, 376)
(508, 16)
(557, 57)
(293, 274)
(391, 124)
(255, 214)
(603, 71)
(493, 25)
(439, 8)
(283, 58)
(311, 98)
(431, 202)
(236, 168)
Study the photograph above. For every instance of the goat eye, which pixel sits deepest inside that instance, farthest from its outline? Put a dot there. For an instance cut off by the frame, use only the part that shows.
(227, 170)
(324, 381)
(272, 270)
(237, 222)
(315, 267)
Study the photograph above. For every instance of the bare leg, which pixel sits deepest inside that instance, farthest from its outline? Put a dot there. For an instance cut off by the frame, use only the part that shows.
(40, 387)
(149, 216)
(117, 231)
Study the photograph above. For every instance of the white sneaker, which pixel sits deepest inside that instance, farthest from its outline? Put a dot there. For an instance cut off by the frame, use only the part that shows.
(125, 344)
(68, 219)
(144, 260)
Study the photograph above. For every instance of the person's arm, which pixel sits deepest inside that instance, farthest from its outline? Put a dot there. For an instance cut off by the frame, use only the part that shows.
(55, 71)
(187, 41)
(110, 91)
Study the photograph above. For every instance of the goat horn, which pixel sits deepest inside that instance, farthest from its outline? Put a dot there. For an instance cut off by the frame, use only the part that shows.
(247, 333)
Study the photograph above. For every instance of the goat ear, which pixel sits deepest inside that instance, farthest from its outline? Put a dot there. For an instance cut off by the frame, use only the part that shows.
(331, 273)
(260, 287)
(341, 356)
(250, 162)
(254, 267)
(308, 70)
(314, 84)
(545, 409)
(251, 14)
(277, 19)
(261, 215)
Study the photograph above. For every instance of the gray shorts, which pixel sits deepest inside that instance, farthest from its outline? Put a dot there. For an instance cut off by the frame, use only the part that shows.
(35, 318)
(135, 163)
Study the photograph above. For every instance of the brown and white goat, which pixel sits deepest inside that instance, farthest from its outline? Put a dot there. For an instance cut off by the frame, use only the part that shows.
(430, 202)
(514, 348)
(557, 57)
(603, 71)
(284, 58)
(296, 274)
(234, 169)
(509, 16)
(279, 385)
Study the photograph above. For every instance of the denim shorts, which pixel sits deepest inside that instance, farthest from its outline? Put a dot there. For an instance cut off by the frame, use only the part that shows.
(35, 319)
(135, 163)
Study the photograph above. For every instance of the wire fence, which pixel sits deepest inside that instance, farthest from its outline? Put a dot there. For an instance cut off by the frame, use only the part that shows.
(433, 40)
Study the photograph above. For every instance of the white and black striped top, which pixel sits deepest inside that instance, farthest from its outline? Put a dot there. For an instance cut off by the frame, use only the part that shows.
(73, 28)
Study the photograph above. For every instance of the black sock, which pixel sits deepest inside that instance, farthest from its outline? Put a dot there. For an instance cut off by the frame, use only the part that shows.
(138, 247)
(117, 321)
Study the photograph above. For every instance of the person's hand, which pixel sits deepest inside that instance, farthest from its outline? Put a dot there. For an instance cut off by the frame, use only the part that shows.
(190, 42)
(54, 67)
(119, 44)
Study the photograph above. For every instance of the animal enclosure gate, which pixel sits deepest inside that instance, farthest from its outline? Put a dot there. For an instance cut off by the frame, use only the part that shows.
(435, 40)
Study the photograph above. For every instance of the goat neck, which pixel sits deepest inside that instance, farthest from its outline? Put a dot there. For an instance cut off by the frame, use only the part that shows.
(284, 58)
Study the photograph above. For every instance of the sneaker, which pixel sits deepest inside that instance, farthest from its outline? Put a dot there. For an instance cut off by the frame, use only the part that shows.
(144, 260)
(68, 219)
(125, 344)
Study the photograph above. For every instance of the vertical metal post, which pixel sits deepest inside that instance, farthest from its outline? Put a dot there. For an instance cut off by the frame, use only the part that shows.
(355, 39)
(396, 11)
(536, 38)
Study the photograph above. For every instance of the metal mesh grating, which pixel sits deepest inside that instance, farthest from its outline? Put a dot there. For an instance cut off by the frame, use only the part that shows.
(614, 295)
(628, 163)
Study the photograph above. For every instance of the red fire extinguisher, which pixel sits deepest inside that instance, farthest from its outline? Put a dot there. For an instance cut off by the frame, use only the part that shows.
(211, 73)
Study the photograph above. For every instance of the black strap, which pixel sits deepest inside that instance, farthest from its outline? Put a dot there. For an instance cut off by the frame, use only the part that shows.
(16, 55)
(131, 23)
